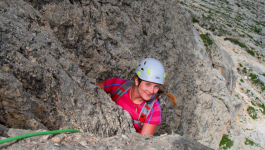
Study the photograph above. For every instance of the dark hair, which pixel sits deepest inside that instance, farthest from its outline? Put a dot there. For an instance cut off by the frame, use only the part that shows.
(139, 80)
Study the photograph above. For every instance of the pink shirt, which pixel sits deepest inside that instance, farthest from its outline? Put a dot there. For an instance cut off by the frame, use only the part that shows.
(154, 117)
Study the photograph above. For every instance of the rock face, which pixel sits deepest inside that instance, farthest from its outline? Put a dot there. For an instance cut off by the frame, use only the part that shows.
(53, 53)
(41, 88)
(132, 141)
(232, 33)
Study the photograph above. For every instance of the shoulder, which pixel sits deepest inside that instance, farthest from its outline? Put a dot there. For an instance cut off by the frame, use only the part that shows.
(111, 84)
(154, 116)
(156, 106)
(115, 80)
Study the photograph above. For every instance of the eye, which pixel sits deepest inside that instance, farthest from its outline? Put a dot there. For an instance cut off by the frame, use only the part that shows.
(157, 86)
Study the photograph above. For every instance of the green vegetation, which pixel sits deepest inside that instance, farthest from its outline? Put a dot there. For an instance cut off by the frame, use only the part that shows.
(229, 25)
(248, 90)
(235, 41)
(194, 20)
(239, 18)
(242, 45)
(206, 39)
(242, 35)
(226, 143)
(257, 43)
(259, 23)
(229, 8)
(256, 81)
(253, 76)
(239, 70)
(241, 80)
(226, 2)
(251, 143)
(244, 70)
(250, 36)
(251, 52)
(262, 106)
(247, 129)
(257, 30)
(209, 17)
(212, 28)
(252, 112)
(253, 103)
(223, 31)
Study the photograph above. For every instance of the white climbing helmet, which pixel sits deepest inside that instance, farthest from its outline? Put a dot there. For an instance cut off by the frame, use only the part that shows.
(152, 70)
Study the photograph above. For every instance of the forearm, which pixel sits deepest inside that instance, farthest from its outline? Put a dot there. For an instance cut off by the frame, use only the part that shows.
(148, 129)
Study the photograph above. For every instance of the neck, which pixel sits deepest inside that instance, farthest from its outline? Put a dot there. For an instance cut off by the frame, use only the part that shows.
(135, 96)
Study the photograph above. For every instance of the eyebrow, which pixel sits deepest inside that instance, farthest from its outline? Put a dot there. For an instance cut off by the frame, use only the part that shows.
(153, 83)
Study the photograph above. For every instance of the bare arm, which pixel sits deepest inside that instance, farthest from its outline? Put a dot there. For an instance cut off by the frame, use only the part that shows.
(148, 129)
(101, 85)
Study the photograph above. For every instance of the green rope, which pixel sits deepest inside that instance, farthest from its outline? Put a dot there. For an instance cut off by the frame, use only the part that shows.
(35, 134)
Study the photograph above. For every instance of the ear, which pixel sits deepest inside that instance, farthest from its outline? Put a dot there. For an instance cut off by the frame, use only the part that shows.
(136, 81)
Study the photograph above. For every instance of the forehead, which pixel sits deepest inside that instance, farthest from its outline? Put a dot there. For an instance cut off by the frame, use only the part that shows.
(150, 82)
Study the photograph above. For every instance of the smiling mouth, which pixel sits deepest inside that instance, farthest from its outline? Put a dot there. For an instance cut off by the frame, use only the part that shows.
(149, 95)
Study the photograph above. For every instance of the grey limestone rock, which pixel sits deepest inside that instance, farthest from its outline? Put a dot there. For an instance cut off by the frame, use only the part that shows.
(53, 53)
(84, 141)
(41, 88)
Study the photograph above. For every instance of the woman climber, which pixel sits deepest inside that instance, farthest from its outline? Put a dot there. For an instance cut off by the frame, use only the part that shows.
(140, 97)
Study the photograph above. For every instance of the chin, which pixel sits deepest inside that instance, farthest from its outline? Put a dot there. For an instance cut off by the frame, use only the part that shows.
(147, 98)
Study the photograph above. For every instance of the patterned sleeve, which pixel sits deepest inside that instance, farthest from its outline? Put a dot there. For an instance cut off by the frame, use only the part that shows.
(110, 85)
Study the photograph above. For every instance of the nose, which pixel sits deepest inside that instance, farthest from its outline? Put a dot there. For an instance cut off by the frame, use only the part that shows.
(151, 90)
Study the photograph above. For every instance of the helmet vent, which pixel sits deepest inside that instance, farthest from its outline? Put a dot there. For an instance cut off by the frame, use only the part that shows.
(142, 69)
(144, 62)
